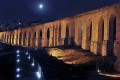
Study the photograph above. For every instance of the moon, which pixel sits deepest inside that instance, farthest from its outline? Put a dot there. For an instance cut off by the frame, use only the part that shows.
(41, 6)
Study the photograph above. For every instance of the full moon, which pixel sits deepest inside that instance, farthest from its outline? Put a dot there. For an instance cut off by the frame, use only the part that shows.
(40, 6)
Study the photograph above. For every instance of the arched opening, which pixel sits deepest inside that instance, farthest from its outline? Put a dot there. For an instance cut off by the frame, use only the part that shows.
(24, 39)
(100, 35)
(48, 36)
(41, 34)
(20, 39)
(29, 38)
(89, 35)
(40, 38)
(90, 38)
(7, 38)
(17, 38)
(67, 36)
(55, 36)
(112, 34)
(80, 35)
(59, 35)
(34, 39)
(48, 33)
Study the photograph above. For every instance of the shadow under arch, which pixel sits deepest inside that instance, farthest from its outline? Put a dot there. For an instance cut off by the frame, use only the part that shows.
(112, 35)
(100, 35)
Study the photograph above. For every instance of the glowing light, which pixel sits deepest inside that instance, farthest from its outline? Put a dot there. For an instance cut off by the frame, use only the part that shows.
(29, 56)
(18, 69)
(41, 6)
(18, 51)
(33, 64)
(18, 55)
(18, 60)
(38, 74)
(98, 71)
(26, 53)
(17, 75)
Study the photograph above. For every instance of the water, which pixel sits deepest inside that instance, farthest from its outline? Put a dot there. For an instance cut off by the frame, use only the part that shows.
(27, 68)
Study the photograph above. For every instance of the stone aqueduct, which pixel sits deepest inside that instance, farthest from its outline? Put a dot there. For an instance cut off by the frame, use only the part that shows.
(97, 31)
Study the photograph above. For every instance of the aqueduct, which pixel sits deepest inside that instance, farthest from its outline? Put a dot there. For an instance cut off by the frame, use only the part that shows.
(97, 31)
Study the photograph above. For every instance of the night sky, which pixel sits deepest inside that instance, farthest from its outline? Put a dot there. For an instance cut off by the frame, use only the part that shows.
(28, 10)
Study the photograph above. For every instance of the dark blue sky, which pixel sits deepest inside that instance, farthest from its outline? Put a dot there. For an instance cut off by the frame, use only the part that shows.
(28, 10)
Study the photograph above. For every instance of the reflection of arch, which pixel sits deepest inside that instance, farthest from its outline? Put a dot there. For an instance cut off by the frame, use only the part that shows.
(112, 33)
(100, 35)
(24, 39)
(67, 36)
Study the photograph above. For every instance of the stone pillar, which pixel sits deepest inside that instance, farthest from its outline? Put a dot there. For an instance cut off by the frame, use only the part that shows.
(105, 48)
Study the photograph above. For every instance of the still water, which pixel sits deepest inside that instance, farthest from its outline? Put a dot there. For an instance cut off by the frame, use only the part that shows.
(27, 67)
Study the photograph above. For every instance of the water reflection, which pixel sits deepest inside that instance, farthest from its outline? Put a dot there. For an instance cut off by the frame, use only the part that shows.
(23, 69)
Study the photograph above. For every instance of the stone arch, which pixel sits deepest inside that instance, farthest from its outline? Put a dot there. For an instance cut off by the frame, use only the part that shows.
(24, 39)
(100, 35)
(89, 34)
(112, 34)
(66, 41)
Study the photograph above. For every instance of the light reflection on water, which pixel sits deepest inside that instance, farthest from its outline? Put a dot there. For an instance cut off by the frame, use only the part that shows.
(26, 72)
